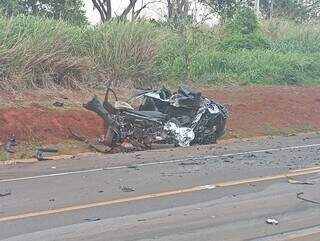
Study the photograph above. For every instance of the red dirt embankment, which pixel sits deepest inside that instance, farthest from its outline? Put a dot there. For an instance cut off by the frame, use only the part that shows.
(253, 111)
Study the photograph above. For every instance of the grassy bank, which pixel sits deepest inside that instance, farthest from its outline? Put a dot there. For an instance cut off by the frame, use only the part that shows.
(41, 53)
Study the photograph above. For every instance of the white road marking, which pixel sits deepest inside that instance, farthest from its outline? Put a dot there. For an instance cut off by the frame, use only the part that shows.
(159, 163)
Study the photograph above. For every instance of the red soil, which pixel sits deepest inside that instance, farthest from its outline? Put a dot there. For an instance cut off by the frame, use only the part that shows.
(253, 111)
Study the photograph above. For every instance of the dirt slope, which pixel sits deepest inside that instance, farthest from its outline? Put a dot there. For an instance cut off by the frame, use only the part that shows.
(253, 111)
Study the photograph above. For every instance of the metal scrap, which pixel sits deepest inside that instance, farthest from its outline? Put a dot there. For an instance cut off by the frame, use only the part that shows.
(40, 153)
(5, 194)
(272, 221)
(10, 145)
(92, 219)
(190, 163)
(127, 189)
(99, 147)
(299, 194)
(58, 104)
(294, 181)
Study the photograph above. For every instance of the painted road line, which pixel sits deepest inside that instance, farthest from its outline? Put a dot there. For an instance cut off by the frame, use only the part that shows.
(300, 172)
(158, 163)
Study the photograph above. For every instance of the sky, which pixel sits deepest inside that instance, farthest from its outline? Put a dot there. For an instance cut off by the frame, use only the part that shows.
(118, 6)
(155, 10)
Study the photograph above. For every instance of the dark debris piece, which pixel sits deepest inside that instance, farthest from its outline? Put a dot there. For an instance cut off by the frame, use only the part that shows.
(127, 189)
(190, 163)
(5, 194)
(299, 196)
(58, 104)
(92, 219)
(10, 145)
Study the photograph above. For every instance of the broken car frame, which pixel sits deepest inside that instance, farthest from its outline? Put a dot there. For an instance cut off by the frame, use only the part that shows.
(183, 118)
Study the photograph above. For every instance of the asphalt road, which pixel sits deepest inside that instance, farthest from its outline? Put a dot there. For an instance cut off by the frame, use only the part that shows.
(219, 192)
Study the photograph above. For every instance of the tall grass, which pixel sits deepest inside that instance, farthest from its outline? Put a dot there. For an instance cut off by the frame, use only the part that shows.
(45, 53)
(42, 53)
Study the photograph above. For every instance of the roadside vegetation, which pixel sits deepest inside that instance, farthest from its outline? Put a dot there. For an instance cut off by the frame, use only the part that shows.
(37, 52)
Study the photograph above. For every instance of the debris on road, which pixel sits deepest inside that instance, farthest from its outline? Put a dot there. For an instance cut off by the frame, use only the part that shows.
(41, 151)
(5, 194)
(92, 219)
(142, 220)
(135, 167)
(294, 181)
(126, 189)
(299, 194)
(272, 221)
(183, 118)
(190, 163)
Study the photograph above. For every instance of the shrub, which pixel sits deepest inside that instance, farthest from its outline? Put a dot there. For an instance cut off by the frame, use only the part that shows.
(241, 32)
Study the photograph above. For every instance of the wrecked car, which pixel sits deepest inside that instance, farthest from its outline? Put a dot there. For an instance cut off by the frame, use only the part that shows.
(181, 118)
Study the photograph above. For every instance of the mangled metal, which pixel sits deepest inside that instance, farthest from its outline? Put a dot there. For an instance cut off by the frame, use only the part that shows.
(183, 118)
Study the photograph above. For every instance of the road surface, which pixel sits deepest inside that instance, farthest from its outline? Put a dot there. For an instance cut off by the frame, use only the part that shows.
(218, 192)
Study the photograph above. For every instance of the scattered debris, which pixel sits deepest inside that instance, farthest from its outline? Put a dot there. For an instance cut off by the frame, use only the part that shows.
(190, 163)
(126, 189)
(272, 221)
(181, 119)
(142, 220)
(58, 104)
(133, 167)
(5, 194)
(92, 219)
(41, 151)
(209, 186)
(299, 194)
(155, 146)
(10, 145)
(99, 147)
(127, 146)
(252, 155)
(294, 181)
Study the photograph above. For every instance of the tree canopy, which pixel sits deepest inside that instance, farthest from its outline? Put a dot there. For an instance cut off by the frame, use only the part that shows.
(68, 10)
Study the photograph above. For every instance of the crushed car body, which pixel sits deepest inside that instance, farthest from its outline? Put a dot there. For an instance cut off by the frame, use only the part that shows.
(181, 118)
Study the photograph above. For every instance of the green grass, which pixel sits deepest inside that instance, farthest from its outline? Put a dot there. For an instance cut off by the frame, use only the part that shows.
(42, 53)
(270, 131)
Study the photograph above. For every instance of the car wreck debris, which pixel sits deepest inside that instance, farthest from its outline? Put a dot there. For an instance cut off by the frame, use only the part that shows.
(5, 194)
(272, 221)
(10, 145)
(41, 151)
(183, 118)
(299, 196)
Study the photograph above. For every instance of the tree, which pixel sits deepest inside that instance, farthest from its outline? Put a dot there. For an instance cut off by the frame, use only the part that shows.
(223, 8)
(104, 8)
(177, 10)
(299, 11)
(68, 10)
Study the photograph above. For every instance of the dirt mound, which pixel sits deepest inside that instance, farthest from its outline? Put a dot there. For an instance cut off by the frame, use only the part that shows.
(270, 110)
(47, 125)
(253, 111)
